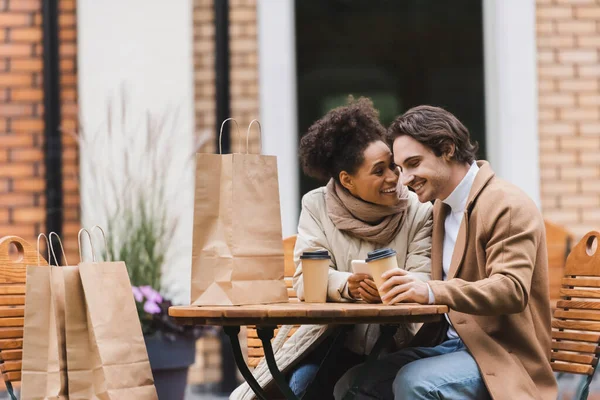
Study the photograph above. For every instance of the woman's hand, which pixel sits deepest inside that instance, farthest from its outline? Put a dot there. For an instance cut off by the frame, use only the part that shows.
(361, 286)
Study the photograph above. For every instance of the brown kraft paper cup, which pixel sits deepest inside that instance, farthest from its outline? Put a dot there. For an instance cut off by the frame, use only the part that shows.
(379, 262)
(315, 272)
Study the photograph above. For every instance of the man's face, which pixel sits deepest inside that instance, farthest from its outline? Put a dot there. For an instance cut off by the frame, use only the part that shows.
(424, 172)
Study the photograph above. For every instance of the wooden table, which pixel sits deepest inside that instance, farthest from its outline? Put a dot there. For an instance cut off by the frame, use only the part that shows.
(267, 317)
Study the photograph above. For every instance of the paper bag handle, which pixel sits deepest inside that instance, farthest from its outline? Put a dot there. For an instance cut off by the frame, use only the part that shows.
(49, 238)
(259, 135)
(38, 247)
(221, 133)
(91, 244)
(103, 237)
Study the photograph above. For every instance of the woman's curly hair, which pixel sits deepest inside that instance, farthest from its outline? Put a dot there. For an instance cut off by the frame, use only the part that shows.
(337, 141)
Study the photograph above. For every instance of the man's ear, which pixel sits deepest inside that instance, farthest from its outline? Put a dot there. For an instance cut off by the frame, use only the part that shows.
(347, 181)
(449, 150)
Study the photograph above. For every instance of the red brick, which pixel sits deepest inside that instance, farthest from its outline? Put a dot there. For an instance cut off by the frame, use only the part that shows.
(24, 231)
(33, 65)
(27, 155)
(66, 5)
(28, 214)
(553, 12)
(32, 35)
(580, 143)
(25, 5)
(590, 128)
(27, 125)
(557, 128)
(21, 140)
(67, 35)
(587, 12)
(11, 19)
(588, 70)
(16, 199)
(546, 41)
(65, 20)
(557, 100)
(580, 56)
(16, 110)
(14, 170)
(577, 172)
(29, 185)
(564, 157)
(578, 114)
(27, 94)
(576, 26)
(578, 85)
(556, 71)
(13, 79)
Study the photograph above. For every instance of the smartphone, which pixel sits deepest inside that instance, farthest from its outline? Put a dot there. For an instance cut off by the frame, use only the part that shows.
(360, 267)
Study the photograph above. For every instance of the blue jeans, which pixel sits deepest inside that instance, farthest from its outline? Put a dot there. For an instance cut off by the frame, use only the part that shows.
(305, 372)
(446, 371)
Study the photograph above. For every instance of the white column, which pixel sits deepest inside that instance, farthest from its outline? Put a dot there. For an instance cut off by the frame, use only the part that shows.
(511, 92)
(143, 47)
(278, 108)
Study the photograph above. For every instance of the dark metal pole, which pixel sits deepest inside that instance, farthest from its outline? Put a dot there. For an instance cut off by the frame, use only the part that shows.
(52, 141)
(223, 111)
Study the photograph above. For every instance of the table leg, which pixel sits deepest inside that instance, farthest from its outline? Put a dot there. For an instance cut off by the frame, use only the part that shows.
(386, 335)
(265, 333)
(338, 342)
(232, 332)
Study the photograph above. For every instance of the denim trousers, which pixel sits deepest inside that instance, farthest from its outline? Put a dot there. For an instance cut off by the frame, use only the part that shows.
(446, 371)
(305, 372)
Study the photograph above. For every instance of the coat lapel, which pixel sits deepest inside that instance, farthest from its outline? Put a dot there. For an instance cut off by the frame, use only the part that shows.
(484, 175)
(440, 211)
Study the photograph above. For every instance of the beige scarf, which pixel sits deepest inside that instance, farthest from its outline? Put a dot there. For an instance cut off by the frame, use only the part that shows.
(367, 221)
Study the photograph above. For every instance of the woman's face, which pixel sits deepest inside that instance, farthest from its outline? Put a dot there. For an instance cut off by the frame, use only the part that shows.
(376, 178)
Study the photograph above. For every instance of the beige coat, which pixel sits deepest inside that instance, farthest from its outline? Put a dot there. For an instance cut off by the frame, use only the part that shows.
(317, 232)
(497, 288)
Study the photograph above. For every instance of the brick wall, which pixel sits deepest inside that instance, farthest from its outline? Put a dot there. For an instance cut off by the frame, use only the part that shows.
(22, 182)
(568, 41)
(244, 69)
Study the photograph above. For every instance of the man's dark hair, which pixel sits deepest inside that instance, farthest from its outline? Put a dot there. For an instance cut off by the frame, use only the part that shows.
(436, 129)
(337, 142)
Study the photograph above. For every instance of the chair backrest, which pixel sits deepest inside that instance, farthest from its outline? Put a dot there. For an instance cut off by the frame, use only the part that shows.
(576, 322)
(255, 350)
(558, 242)
(12, 303)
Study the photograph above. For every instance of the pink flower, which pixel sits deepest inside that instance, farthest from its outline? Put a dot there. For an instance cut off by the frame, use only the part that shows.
(151, 294)
(137, 294)
(151, 307)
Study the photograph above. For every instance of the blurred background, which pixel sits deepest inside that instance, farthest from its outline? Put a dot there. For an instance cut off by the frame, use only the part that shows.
(95, 95)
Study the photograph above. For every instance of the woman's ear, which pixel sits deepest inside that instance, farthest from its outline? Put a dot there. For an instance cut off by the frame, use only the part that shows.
(347, 181)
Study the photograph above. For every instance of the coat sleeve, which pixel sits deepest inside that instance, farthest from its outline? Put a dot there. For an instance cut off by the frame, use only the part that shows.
(418, 257)
(311, 237)
(512, 240)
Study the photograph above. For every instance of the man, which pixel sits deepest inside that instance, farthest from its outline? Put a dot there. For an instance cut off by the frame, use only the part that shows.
(489, 266)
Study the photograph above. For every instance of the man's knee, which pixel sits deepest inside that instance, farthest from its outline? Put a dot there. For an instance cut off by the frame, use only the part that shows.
(410, 382)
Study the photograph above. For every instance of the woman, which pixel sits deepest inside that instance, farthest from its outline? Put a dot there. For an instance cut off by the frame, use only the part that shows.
(362, 208)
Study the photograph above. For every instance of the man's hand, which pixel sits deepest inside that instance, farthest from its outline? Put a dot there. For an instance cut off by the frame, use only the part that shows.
(361, 286)
(399, 286)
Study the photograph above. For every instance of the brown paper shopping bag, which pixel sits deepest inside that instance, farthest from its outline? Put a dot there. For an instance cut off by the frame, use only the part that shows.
(116, 342)
(237, 251)
(43, 374)
(85, 377)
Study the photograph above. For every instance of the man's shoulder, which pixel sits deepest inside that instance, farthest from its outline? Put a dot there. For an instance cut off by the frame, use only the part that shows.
(500, 196)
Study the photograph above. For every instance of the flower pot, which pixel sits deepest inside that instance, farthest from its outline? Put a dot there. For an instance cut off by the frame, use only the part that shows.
(170, 361)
